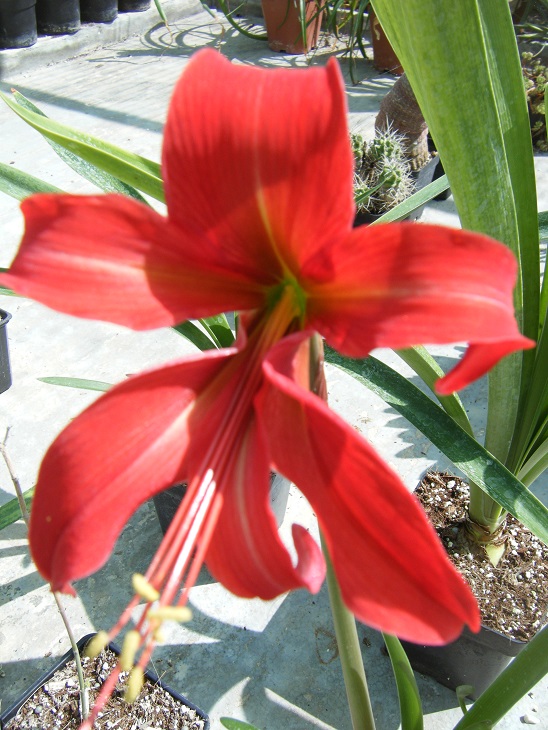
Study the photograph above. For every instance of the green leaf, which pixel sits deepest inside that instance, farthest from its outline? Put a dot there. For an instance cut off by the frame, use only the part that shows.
(476, 462)
(94, 174)
(408, 692)
(219, 330)
(195, 335)
(236, 724)
(132, 169)
(20, 184)
(80, 383)
(11, 511)
(422, 196)
(422, 362)
(521, 675)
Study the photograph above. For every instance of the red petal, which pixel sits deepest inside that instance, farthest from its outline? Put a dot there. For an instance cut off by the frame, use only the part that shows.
(246, 554)
(393, 572)
(260, 159)
(124, 448)
(405, 284)
(108, 257)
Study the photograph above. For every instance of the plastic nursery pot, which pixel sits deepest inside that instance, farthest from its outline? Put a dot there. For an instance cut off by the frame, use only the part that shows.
(56, 17)
(167, 502)
(474, 659)
(283, 25)
(12, 711)
(133, 6)
(438, 172)
(17, 23)
(384, 57)
(5, 368)
(98, 11)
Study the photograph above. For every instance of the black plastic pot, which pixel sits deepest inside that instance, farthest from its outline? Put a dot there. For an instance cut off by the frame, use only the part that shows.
(98, 11)
(57, 17)
(17, 23)
(438, 172)
(12, 711)
(167, 502)
(133, 6)
(5, 368)
(474, 659)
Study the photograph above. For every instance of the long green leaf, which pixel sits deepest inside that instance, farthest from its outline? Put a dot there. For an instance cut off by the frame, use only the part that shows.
(80, 383)
(231, 724)
(521, 675)
(420, 360)
(94, 174)
(11, 511)
(137, 171)
(195, 335)
(408, 692)
(220, 329)
(464, 451)
(474, 104)
(20, 184)
(422, 196)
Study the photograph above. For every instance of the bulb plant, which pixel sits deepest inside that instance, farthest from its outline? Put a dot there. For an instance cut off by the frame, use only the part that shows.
(221, 420)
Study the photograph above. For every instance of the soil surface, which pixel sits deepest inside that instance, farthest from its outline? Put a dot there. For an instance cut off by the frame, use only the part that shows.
(55, 705)
(513, 596)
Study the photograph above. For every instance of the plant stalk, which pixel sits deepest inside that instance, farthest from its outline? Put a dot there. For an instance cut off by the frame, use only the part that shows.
(357, 692)
(359, 702)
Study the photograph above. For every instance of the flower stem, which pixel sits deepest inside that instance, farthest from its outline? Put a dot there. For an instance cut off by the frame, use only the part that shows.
(355, 681)
(357, 693)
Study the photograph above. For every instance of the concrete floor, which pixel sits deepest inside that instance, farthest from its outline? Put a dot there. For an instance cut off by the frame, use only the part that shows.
(273, 664)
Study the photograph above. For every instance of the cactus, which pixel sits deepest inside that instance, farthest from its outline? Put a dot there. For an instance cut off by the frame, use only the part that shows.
(534, 77)
(382, 176)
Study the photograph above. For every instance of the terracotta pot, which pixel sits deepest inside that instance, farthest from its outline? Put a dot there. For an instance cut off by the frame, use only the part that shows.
(283, 25)
(17, 23)
(384, 58)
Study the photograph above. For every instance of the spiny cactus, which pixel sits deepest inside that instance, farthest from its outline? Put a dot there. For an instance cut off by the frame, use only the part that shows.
(382, 175)
(535, 76)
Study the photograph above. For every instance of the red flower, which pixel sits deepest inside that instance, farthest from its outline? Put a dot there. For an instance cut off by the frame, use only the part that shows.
(258, 178)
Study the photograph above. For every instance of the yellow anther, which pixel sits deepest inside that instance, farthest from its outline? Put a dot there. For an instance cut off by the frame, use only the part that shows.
(182, 614)
(142, 587)
(96, 645)
(135, 683)
(132, 641)
(159, 636)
